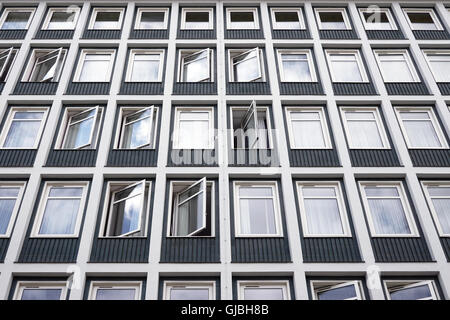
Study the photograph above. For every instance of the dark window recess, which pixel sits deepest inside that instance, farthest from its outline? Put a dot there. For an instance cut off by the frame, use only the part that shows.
(406, 88)
(354, 88)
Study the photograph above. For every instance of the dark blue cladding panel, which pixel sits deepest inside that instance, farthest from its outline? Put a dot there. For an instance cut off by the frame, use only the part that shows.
(36, 88)
(430, 157)
(291, 34)
(88, 88)
(446, 246)
(102, 34)
(374, 158)
(120, 250)
(132, 158)
(71, 158)
(431, 34)
(401, 250)
(2, 85)
(257, 158)
(444, 87)
(260, 250)
(300, 88)
(338, 34)
(12, 34)
(54, 34)
(149, 34)
(196, 88)
(196, 34)
(192, 158)
(329, 250)
(190, 250)
(49, 250)
(17, 157)
(406, 88)
(384, 35)
(4, 243)
(354, 88)
(142, 88)
(314, 158)
(245, 88)
(244, 34)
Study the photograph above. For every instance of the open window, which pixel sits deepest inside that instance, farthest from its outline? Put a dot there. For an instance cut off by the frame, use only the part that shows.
(332, 19)
(196, 18)
(422, 19)
(411, 290)
(137, 129)
(193, 128)
(10, 199)
(376, 18)
(61, 18)
(115, 290)
(41, 290)
(242, 18)
(195, 65)
(246, 65)
(16, 18)
(189, 290)
(151, 18)
(145, 65)
(438, 197)
(336, 290)
(94, 65)
(45, 65)
(263, 290)
(7, 58)
(287, 18)
(106, 19)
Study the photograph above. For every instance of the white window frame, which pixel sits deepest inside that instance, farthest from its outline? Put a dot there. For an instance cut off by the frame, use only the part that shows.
(409, 216)
(17, 9)
(297, 10)
(10, 52)
(185, 10)
(15, 211)
(231, 26)
(325, 130)
(309, 58)
(96, 10)
(430, 11)
(240, 52)
(439, 184)
(10, 119)
(34, 61)
(377, 10)
(276, 208)
(377, 119)
(407, 59)
(358, 59)
(341, 205)
(82, 59)
(134, 52)
(210, 285)
(264, 284)
(51, 11)
(95, 285)
(335, 284)
(22, 285)
(43, 203)
(442, 52)
(176, 129)
(411, 284)
(345, 17)
(186, 53)
(434, 121)
(137, 24)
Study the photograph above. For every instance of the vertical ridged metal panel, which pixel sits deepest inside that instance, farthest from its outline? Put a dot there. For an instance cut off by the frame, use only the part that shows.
(291, 34)
(354, 88)
(71, 158)
(132, 158)
(444, 88)
(49, 250)
(196, 34)
(149, 34)
(431, 34)
(300, 88)
(88, 88)
(406, 88)
(13, 34)
(374, 158)
(401, 250)
(102, 34)
(445, 241)
(142, 88)
(188, 278)
(314, 158)
(430, 157)
(253, 158)
(54, 34)
(330, 250)
(244, 34)
(192, 158)
(248, 88)
(194, 88)
(265, 278)
(35, 88)
(2, 85)
(123, 278)
(338, 34)
(17, 157)
(385, 35)
(4, 243)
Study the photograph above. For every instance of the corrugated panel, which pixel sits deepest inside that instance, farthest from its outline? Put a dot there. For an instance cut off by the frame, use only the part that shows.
(49, 250)
(291, 34)
(444, 87)
(192, 158)
(2, 85)
(12, 34)
(314, 158)
(259, 250)
(327, 250)
(54, 34)
(149, 34)
(244, 34)
(406, 88)
(4, 243)
(354, 88)
(71, 158)
(300, 88)
(88, 88)
(431, 34)
(253, 158)
(197, 88)
(446, 246)
(401, 250)
(196, 34)
(374, 158)
(17, 157)
(430, 157)
(132, 158)
(248, 88)
(120, 250)
(385, 34)
(338, 34)
(102, 34)
(142, 88)
(190, 250)
(36, 88)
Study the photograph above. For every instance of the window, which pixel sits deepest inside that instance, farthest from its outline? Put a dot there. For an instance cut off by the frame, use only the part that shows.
(45, 65)
(189, 290)
(421, 128)
(438, 196)
(80, 128)
(422, 19)
(346, 66)
(7, 58)
(242, 18)
(336, 290)
(106, 19)
(332, 19)
(10, 198)
(287, 18)
(39, 290)
(95, 65)
(263, 290)
(117, 290)
(411, 290)
(376, 18)
(195, 65)
(396, 66)
(307, 128)
(257, 209)
(137, 128)
(251, 127)
(16, 18)
(296, 66)
(194, 128)
(364, 128)
(126, 209)
(191, 208)
(246, 65)
(439, 63)
(60, 210)
(145, 65)
(387, 209)
(322, 209)
(23, 128)
(152, 19)
(61, 18)
(196, 18)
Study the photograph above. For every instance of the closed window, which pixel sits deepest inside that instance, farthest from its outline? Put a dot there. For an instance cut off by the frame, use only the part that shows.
(364, 128)
(16, 18)
(145, 65)
(322, 210)
(396, 66)
(10, 198)
(193, 128)
(242, 18)
(263, 290)
(257, 209)
(296, 65)
(376, 18)
(307, 128)
(95, 65)
(438, 196)
(152, 19)
(195, 65)
(189, 290)
(332, 19)
(117, 290)
(421, 128)
(197, 18)
(287, 18)
(388, 210)
(346, 66)
(60, 209)
(137, 128)
(7, 58)
(411, 290)
(45, 65)
(422, 19)
(61, 18)
(246, 65)
(40, 290)
(106, 19)
(23, 128)
(336, 290)
(439, 62)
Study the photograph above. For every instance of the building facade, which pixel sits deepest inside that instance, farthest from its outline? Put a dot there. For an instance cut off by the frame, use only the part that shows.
(224, 150)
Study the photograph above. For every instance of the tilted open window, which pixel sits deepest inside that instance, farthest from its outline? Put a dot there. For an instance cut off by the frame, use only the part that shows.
(7, 58)
(195, 65)
(137, 128)
(245, 65)
(411, 290)
(337, 290)
(45, 65)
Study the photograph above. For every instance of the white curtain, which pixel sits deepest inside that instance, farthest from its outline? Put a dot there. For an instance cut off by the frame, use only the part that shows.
(388, 216)
(442, 70)
(263, 133)
(257, 216)
(442, 208)
(364, 134)
(421, 134)
(323, 216)
(6, 209)
(22, 134)
(60, 216)
(190, 216)
(308, 134)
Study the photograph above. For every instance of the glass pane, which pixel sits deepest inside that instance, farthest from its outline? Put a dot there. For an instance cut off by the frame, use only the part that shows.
(255, 192)
(247, 70)
(28, 115)
(22, 134)
(421, 134)
(6, 210)
(296, 71)
(414, 293)
(9, 192)
(288, 20)
(342, 293)
(414, 115)
(189, 294)
(138, 115)
(193, 115)
(126, 216)
(16, 21)
(346, 71)
(95, 71)
(388, 216)
(60, 216)
(376, 17)
(194, 135)
(242, 17)
(82, 115)
(44, 71)
(441, 70)
(359, 115)
(107, 20)
(128, 192)
(434, 191)
(263, 294)
(257, 216)
(364, 134)
(381, 191)
(190, 216)
(196, 71)
(332, 20)
(61, 20)
(318, 192)
(115, 294)
(323, 216)
(145, 71)
(442, 208)
(79, 134)
(190, 191)
(396, 71)
(305, 115)
(152, 20)
(41, 294)
(197, 20)
(422, 21)
(136, 134)
(66, 192)
(308, 134)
